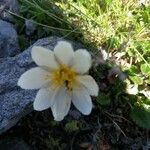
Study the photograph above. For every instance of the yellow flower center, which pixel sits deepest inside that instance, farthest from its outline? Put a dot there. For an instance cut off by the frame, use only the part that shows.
(63, 75)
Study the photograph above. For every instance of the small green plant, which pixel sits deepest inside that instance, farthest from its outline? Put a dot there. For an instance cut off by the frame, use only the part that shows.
(55, 143)
(104, 99)
(140, 113)
(72, 126)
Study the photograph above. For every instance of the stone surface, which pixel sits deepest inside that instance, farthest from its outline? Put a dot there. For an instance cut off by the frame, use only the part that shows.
(10, 5)
(8, 40)
(29, 27)
(14, 101)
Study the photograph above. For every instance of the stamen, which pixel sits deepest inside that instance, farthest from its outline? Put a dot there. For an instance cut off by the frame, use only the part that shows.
(63, 75)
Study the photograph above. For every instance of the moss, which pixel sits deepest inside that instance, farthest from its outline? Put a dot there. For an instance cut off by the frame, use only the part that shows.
(72, 126)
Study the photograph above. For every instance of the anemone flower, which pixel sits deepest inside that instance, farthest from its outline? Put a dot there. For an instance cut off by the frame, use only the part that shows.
(61, 77)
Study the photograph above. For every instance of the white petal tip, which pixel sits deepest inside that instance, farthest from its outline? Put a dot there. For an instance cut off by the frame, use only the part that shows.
(33, 79)
(88, 112)
(43, 57)
(43, 99)
(64, 43)
(20, 83)
(58, 119)
(37, 109)
(64, 52)
(82, 61)
(95, 95)
(95, 91)
(90, 84)
(34, 49)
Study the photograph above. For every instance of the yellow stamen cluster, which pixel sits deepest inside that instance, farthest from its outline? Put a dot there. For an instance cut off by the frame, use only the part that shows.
(63, 75)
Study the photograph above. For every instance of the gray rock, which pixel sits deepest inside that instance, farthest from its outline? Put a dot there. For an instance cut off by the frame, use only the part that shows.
(14, 101)
(10, 5)
(30, 27)
(8, 40)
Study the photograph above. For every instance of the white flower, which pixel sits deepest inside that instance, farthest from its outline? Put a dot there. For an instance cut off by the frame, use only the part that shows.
(132, 89)
(61, 78)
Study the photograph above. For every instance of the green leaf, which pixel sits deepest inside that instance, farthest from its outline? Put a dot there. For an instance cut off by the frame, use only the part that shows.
(103, 99)
(145, 69)
(141, 116)
(131, 52)
(147, 81)
(133, 70)
(146, 102)
(137, 80)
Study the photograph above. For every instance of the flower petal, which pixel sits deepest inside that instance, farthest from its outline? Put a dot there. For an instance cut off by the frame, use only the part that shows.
(82, 100)
(44, 99)
(62, 102)
(89, 83)
(64, 53)
(44, 57)
(82, 61)
(33, 78)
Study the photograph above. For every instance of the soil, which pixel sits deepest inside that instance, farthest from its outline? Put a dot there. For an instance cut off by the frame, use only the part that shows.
(101, 130)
